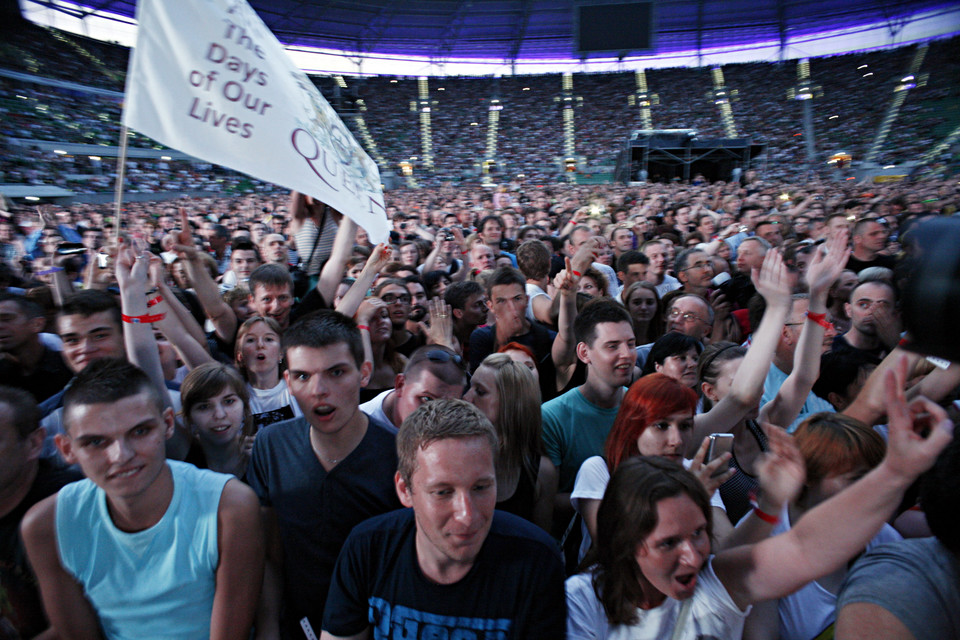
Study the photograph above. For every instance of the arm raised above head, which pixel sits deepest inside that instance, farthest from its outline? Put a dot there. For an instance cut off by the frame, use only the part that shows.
(832, 532)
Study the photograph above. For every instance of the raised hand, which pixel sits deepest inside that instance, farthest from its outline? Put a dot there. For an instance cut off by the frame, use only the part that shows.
(918, 431)
(184, 237)
(369, 309)
(381, 255)
(772, 280)
(782, 470)
(565, 281)
(586, 254)
(824, 269)
(709, 475)
(440, 330)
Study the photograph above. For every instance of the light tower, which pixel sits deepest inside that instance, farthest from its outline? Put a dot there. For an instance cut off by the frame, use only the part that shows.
(722, 97)
(805, 92)
(423, 105)
(643, 99)
(568, 102)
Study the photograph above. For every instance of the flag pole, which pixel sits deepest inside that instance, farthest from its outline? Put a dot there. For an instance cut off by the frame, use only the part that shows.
(121, 172)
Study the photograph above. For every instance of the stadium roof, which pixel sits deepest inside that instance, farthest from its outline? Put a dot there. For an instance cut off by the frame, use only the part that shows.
(544, 29)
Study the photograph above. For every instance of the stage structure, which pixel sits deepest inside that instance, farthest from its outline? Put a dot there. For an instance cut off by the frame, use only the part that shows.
(663, 155)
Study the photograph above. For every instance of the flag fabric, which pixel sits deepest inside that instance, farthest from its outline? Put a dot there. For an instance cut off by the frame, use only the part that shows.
(207, 77)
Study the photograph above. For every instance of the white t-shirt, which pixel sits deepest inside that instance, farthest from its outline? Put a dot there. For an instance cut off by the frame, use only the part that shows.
(273, 405)
(532, 292)
(805, 613)
(374, 409)
(592, 481)
(712, 613)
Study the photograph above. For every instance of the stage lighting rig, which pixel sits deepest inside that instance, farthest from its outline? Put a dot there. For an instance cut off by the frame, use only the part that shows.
(423, 105)
(805, 91)
(568, 103)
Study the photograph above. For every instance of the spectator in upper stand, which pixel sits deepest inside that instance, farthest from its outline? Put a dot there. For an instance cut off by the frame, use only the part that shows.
(874, 322)
(869, 238)
(533, 258)
(507, 300)
(468, 305)
(25, 361)
(632, 266)
(694, 271)
(769, 230)
(657, 271)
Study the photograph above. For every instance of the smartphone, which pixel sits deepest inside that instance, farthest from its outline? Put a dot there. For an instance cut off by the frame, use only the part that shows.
(720, 443)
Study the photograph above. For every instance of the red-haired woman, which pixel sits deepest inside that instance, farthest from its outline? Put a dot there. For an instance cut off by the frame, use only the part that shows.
(655, 419)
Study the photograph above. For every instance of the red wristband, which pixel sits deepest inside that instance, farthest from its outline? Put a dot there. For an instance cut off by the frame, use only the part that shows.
(154, 301)
(144, 319)
(820, 319)
(760, 513)
(363, 327)
(576, 273)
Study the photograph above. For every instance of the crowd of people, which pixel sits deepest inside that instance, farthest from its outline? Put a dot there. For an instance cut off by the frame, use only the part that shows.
(536, 411)
(852, 93)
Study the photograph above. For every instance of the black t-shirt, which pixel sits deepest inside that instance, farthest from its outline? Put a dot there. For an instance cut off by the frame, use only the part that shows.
(855, 265)
(514, 589)
(20, 604)
(49, 378)
(317, 509)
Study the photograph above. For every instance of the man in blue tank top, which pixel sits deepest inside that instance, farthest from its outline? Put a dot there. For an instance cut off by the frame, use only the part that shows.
(143, 547)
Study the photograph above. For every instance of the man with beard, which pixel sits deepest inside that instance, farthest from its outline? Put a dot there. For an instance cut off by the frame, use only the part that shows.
(393, 291)
(418, 304)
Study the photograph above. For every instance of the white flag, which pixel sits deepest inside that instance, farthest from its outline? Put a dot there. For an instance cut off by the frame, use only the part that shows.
(208, 78)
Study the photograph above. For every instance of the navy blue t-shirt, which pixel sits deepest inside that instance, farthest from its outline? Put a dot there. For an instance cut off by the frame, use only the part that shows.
(316, 509)
(514, 589)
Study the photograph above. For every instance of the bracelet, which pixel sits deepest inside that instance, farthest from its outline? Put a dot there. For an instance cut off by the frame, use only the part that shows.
(144, 319)
(363, 327)
(760, 513)
(50, 271)
(820, 319)
(155, 301)
(465, 252)
(576, 273)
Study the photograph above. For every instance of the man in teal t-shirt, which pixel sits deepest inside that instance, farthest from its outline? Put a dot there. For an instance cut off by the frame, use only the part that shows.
(575, 425)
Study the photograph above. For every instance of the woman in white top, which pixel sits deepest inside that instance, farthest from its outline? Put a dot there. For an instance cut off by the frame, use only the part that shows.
(257, 354)
(655, 576)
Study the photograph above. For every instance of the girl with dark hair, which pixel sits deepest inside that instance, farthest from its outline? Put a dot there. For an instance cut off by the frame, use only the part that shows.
(675, 355)
(215, 406)
(257, 354)
(643, 302)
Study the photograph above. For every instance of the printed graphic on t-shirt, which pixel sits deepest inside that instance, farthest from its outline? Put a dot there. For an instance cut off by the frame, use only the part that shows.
(396, 621)
(261, 420)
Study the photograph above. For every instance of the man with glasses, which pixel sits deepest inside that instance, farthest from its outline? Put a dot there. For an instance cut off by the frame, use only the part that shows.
(394, 293)
(694, 270)
(685, 313)
(433, 372)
